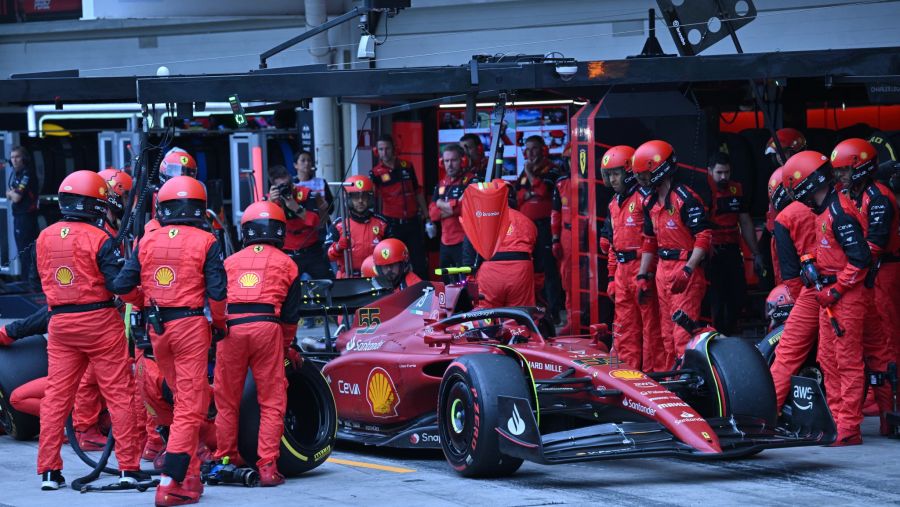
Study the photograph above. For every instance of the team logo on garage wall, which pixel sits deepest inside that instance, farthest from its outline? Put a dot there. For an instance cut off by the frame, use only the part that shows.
(627, 374)
(248, 280)
(381, 393)
(164, 276)
(64, 276)
(582, 160)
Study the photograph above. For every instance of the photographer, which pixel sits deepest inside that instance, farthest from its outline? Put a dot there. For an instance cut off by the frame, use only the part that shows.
(302, 241)
(22, 190)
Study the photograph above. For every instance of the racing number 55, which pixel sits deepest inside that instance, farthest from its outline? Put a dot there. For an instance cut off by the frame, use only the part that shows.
(370, 318)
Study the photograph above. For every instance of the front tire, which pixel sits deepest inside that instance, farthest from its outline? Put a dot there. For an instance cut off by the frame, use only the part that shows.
(468, 413)
(310, 422)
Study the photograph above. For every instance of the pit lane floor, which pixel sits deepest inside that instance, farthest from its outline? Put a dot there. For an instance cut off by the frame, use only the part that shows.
(861, 475)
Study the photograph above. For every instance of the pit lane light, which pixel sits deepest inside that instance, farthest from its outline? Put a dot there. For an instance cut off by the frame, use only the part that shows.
(238, 111)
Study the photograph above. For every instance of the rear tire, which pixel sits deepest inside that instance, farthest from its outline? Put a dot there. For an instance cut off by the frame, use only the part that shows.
(310, 422)
(21, 362)
(468, 413)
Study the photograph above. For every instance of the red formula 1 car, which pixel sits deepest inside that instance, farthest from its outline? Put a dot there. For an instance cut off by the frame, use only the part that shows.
(491, 389)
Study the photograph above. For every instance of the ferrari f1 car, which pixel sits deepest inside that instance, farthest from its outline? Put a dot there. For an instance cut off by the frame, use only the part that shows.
(491, 389)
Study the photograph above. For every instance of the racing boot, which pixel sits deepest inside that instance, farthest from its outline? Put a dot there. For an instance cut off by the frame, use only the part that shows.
(91, 439)
(844, 440)
(52, 480)
(170, 493)
(269, 475)
(133, 477)
(154, 446)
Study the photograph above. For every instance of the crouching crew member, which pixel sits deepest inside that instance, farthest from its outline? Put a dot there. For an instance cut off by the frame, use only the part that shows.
(179, 266)
(392, 262)
(366, 227)
(636, 332)
(263, 310)
(675, 229)
(78, 261)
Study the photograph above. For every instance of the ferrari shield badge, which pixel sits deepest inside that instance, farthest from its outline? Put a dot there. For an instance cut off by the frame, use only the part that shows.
(64, 232)
(381, 393)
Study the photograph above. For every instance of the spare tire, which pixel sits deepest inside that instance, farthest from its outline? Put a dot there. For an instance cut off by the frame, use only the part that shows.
(23, 361)
(310, 421)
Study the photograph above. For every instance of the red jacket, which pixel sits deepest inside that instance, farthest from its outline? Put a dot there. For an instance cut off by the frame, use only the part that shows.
(676, 226)
(301, 232)
(74, 260)
(539, 202)
(841, 247)
(363, 238)
(520, 235)
(795, 236)
(396, 188)
(561, 213)
(451, 191)
(878, 205)
(728, 203)
(624, 227)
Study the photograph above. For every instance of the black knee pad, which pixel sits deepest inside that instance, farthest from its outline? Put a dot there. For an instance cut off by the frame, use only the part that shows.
(176, 465)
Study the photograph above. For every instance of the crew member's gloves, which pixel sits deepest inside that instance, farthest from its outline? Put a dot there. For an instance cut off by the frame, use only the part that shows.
(611, 289)
(557, 250)
(643, 287)
(343, 243)
(758, 266)
(828, 297)
(218, 334)
(680, 279)
(5, 340)
(292, 357)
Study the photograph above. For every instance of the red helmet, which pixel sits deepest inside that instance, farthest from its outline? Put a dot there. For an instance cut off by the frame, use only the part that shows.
(778, 196)
(779, 304)
(857, 155)
(804, 173)
(367, 269)
(390, 251)
(177, 162)
(791, 140)
(656, 158)
(119, 183)
(82, 194)
(358, 183)
(619, 157)
(182, 199)
(263, 222)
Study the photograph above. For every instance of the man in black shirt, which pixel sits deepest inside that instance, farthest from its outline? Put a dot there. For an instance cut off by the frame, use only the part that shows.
(23, 191)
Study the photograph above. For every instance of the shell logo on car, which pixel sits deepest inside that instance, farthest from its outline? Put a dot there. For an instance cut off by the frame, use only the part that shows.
(248, 280)
(164, 276)
(627, 374)
(64, 276)
(381, 393)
